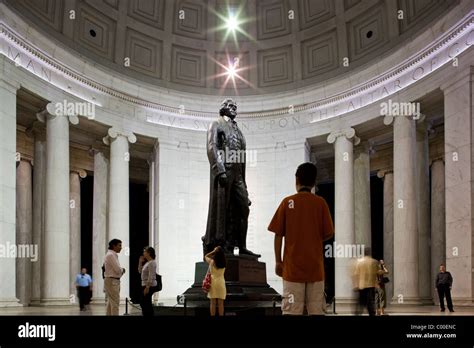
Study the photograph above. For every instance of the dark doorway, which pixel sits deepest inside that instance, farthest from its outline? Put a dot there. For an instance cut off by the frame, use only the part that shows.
(87, 202)
(138, 229)
(326, 190)
(138, 235)
(376, 213)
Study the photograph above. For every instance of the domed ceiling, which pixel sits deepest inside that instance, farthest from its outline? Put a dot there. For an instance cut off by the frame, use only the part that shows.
(189, 45)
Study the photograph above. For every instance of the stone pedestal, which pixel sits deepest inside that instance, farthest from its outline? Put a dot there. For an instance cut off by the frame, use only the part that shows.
(248, 292)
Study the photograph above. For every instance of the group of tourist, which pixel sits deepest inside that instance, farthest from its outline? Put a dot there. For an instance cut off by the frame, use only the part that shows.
(112, 272)
(304, 222)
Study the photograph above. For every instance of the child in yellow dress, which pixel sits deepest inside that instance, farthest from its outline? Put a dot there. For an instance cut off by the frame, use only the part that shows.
(217, 293)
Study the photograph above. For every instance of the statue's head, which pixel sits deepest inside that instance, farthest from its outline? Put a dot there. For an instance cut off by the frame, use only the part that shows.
(228, 108)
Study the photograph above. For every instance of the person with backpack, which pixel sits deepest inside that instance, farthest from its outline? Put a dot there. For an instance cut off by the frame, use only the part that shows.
(217, 292)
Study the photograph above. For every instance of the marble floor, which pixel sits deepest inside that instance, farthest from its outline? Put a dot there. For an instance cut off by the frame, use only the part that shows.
(100, 309)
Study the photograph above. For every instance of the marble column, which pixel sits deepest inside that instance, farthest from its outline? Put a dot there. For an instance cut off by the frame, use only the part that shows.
(405, 232)
(24, 231)
(75, 226)
(362, 214)
(56, 233)
(438, 222)
(153, 191)
(151, 200)
(423, 211)
(119, 209)
(153, 186)
(156, 193)
(99, 222)
(156, 204)
(344, 141)
(387, 176)
(459, 180)
(7, 189)
(39, 183)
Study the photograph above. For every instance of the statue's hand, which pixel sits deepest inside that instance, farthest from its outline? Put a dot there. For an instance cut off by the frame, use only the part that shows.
(222, 179)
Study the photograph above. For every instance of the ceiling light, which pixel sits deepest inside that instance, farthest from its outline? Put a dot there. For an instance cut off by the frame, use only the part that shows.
(232, 23)
(231, 70)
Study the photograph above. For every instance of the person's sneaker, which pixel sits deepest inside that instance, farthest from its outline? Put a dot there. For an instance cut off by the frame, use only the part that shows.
(442, 310)
(451, 310)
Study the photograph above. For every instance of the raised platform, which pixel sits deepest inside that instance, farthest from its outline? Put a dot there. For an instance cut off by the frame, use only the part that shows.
(247, 289)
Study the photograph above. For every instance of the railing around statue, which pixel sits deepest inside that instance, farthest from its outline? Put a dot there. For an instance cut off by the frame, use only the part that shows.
(127, 303)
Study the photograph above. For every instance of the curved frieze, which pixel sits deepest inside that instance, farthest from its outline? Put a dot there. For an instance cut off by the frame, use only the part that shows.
(86, 86)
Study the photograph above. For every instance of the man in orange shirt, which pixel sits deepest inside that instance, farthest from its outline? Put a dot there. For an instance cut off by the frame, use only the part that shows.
(303, 219)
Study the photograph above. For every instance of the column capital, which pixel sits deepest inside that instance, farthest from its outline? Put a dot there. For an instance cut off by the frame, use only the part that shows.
(21, 157)
(423, 127)
(388, 119)
(150, 159)
(81, 172)
(349, 133)
(37, 131)
(95, 149)
(114, 133)
(365, 146)
(50, 112)
(421, 120)
(381, 173)
(436, 159)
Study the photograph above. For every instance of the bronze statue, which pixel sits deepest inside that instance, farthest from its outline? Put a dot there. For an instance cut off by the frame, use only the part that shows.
(228, 199)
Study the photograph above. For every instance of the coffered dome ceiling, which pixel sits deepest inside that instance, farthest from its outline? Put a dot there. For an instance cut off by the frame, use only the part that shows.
(184, 45)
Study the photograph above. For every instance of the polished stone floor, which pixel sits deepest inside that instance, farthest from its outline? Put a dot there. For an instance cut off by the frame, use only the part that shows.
(100, 309)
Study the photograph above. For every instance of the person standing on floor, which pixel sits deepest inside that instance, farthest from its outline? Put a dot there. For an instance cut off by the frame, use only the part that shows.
(304, 221)
(84, 288)
(147, 268)
(113, 272)
(365, 281)
(218, 292)
(380, 292)
(444, 283)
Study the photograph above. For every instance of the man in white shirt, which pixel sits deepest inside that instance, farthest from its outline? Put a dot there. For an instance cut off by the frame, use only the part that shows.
(113, 273)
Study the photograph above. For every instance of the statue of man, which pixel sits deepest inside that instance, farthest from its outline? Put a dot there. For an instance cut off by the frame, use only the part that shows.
(228, 199)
